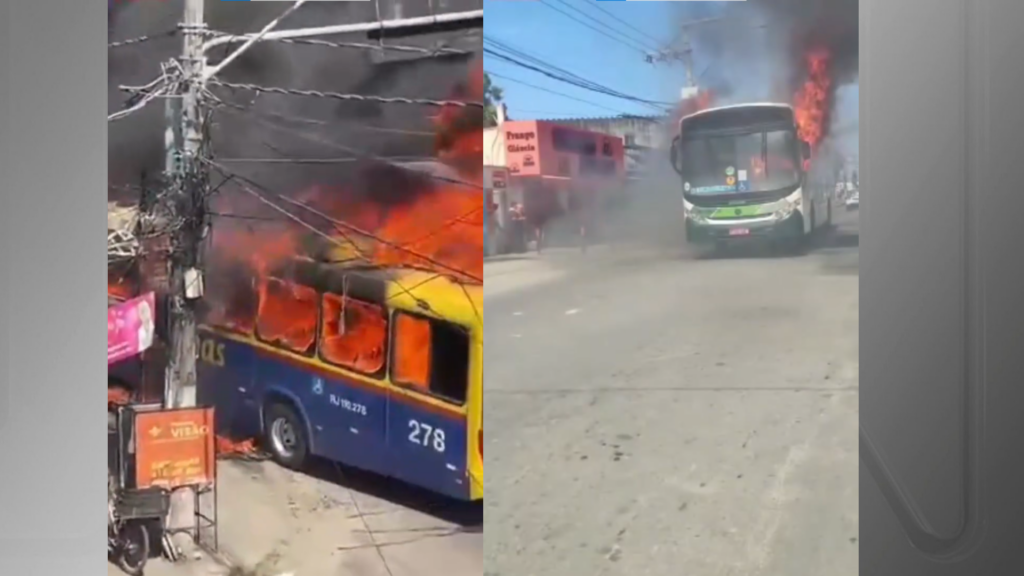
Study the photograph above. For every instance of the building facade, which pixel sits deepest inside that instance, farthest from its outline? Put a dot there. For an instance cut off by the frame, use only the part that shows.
(640, 136)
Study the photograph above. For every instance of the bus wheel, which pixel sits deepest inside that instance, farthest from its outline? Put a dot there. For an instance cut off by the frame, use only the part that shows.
(285, 436)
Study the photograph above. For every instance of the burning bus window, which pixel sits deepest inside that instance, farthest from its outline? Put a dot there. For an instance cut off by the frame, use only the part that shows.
(287, 315)
(411, 344)
(354, 334)
(232, 300)
(431, 350)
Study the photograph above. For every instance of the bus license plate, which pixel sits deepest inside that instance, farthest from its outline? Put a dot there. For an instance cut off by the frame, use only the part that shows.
(739, 232)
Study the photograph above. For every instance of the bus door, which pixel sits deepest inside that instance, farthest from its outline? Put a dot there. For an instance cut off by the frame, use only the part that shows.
(349, 405)
(427, 410)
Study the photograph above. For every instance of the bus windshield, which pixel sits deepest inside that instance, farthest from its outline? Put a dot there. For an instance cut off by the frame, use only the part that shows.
(756, 162)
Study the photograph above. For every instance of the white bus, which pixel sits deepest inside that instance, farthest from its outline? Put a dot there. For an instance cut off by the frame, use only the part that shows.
(743, 175)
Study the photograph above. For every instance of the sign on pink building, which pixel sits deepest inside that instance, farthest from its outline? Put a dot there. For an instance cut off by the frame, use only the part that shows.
(130, 327)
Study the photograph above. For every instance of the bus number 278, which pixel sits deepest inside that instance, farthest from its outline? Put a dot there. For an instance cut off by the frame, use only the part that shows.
(426, 435)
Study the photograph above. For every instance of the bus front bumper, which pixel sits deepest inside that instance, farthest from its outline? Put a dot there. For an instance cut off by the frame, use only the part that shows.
(720, 232)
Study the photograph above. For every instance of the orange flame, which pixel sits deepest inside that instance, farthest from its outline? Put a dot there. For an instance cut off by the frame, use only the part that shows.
(438, 226)
(812, 99)
(227, 447)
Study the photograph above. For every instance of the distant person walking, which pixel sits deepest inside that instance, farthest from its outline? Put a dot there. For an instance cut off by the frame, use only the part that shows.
(517, 223)
(584, 209)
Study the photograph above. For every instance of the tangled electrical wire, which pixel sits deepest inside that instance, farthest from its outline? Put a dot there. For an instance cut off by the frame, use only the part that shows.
(130, 229)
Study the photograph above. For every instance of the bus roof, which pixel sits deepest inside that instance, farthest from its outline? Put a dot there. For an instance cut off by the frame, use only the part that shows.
(764, 105)
(410, 289)
(448, 298)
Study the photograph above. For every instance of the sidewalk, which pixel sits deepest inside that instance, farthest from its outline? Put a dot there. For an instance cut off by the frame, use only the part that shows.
(274, 522)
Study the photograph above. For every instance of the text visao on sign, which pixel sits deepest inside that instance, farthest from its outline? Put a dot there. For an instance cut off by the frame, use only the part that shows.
(175, 448)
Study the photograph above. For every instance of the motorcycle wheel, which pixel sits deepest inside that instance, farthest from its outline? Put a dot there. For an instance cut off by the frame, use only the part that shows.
(134, 552)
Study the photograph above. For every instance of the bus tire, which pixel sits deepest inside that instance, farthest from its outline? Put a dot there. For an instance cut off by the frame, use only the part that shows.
(285, 435)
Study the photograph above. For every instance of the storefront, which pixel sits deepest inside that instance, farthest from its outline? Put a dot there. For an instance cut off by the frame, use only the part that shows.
(558, 172)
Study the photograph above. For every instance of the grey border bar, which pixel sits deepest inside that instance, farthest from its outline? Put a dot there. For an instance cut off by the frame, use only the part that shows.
(53, 76)
(941, 314)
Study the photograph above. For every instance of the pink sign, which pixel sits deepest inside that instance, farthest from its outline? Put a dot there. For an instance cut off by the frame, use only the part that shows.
(130, 328)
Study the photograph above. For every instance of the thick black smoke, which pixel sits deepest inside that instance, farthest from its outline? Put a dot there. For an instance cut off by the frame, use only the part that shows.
(756, 50)
(136, 144)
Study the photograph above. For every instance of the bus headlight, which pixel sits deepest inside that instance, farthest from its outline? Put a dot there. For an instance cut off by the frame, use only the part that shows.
(788, 207)
(695, 216)
(784, 212)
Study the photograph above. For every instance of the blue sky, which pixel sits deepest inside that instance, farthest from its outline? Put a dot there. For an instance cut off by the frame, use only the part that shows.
(557, 32)
(538, 29)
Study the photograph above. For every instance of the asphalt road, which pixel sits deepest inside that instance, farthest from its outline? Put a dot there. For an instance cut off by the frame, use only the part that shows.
(649, 413)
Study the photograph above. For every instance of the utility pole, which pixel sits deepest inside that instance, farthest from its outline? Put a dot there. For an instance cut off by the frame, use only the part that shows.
(684, 55)
(184, 203)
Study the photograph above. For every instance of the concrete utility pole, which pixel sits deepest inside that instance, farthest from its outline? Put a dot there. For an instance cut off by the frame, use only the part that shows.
(684, 55)
(185, 205)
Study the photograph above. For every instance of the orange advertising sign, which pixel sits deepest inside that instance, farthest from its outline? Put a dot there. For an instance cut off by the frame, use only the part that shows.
(175, 448)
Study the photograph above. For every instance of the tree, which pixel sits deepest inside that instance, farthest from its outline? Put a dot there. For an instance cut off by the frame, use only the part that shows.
(492, 97)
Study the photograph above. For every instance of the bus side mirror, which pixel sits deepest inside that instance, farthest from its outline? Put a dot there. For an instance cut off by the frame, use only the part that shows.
(805, 150)
(674, 156)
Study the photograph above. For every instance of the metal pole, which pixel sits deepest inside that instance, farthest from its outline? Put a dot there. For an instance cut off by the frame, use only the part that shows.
(210, 72)
(351, 28)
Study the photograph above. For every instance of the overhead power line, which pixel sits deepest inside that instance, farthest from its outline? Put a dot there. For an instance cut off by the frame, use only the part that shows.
(624, 23)
(555, 92)
(632, 44)
(519, 53)
(575, 79)
(340, 96)
(271, 198)
(587, 85)
(141, 39)
(642, 43)
(439, 51)
(265, 119)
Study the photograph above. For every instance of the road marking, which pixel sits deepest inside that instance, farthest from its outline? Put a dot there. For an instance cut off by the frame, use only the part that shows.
(571, 312)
